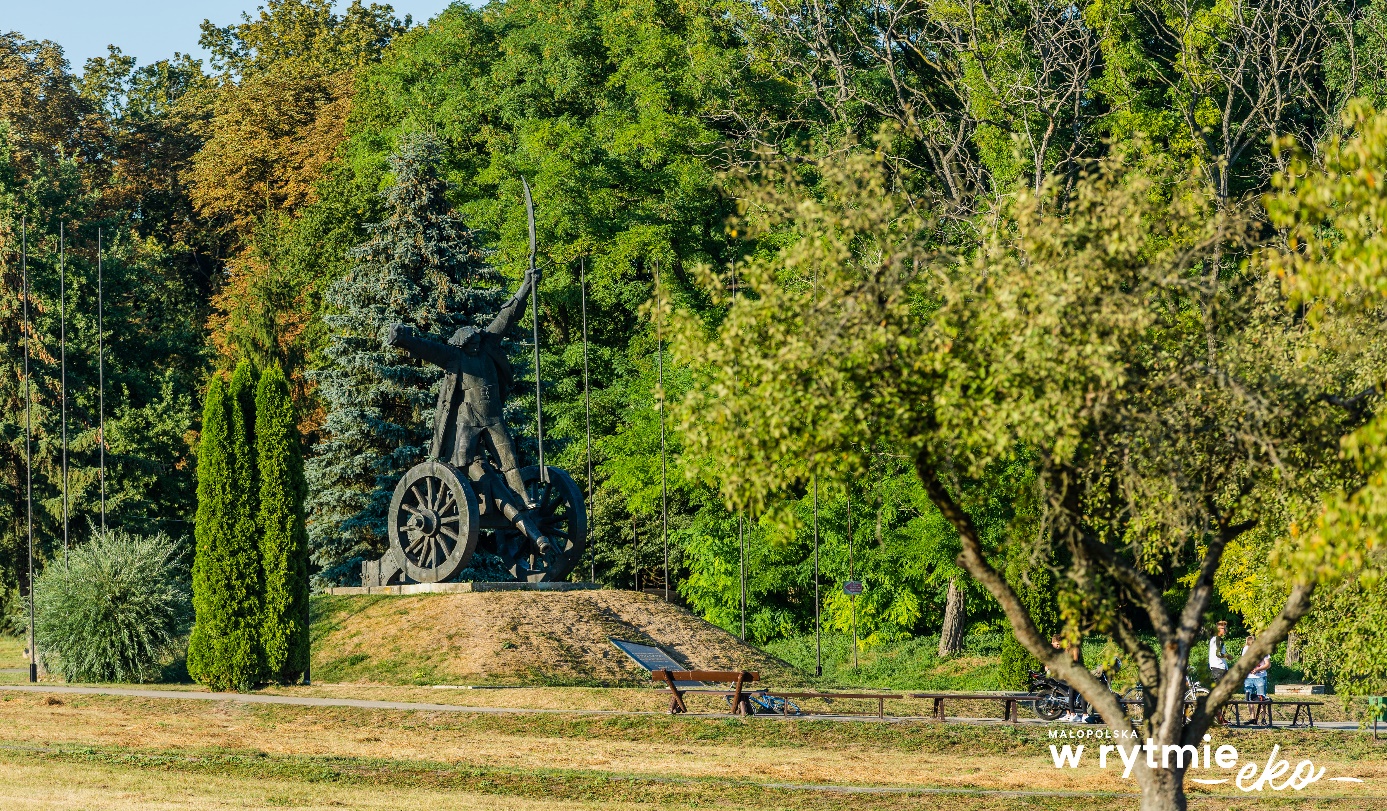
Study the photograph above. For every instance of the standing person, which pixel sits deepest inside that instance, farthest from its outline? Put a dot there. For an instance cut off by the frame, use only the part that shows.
(1078, 708)
(1218, 655)
(1218, 658)
(1255, 686)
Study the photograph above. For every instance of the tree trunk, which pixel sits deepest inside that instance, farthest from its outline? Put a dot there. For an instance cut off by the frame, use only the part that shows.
(1292, 648)
(1163, 790)
(955, 618)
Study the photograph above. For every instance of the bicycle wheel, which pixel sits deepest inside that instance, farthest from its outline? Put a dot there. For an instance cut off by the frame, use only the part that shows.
(1049, 705)
(1192, 697)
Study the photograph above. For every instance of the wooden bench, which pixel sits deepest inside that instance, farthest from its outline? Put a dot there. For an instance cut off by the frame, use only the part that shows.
(1262, 709)
(1010, 703)
(741, 705)
(1258, 709)
(880, 698)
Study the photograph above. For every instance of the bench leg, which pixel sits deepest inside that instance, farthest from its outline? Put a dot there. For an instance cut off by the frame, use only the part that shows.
(676, 701)
(1013, 712)
(881, 708)
(939, 709)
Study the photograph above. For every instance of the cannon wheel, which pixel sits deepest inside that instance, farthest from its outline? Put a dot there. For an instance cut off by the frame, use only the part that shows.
(562, 516)
(433, 522)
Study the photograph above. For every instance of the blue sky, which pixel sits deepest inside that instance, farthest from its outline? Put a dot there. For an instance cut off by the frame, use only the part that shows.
(148, 30)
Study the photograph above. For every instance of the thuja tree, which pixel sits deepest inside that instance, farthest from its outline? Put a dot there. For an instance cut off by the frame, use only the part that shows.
(420, 267)
(1127, 342)
(223, 650)
(283, 537)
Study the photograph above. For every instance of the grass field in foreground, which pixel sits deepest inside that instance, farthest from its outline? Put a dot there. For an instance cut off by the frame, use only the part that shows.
(143, 753)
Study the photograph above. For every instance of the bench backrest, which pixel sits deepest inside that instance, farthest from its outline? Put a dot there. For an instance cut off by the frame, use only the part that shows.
(705, 675)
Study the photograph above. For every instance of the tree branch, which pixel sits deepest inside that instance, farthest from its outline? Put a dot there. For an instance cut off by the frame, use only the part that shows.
(1023, 626)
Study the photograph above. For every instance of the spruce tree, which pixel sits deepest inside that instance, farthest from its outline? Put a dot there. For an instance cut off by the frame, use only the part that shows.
(421, 267)
(283, 539)
(223, 652)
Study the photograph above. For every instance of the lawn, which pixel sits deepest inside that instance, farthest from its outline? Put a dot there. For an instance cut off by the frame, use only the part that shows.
(145, 753)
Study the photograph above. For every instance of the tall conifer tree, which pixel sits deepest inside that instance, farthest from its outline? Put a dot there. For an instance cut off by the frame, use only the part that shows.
(420, 267)
(283, 539)
(223, 652)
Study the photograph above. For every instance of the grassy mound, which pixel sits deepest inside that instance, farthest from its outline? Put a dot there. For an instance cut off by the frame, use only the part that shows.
(514, 638)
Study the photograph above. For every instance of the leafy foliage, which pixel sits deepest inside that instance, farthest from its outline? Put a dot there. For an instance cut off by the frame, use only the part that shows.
(114, 611)
(283, 536)
(1333, 268)
(1164, 395)
(224, 648)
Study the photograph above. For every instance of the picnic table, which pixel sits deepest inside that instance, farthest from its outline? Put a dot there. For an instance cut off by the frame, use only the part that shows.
(1262, 709)
(1010, 702)
(1259, 709)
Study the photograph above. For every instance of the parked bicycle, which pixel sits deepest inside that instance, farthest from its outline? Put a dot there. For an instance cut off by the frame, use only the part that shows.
(1193, 692)
(762, 704)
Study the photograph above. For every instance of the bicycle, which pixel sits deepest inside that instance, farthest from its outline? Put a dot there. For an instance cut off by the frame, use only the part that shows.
(1193, 692)
(763, 704)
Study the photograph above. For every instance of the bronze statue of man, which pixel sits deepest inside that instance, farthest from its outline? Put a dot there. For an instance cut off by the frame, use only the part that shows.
(469, 423)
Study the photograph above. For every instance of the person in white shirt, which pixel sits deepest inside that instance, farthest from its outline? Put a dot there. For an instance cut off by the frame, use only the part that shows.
(1218, 659)
(1218, 656)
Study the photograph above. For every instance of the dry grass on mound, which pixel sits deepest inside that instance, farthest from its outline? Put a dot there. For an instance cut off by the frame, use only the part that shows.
(546, 638)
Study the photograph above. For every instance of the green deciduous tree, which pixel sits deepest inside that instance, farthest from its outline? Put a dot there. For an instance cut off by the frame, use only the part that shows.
(1334, 266)
(1163, 394)
(283, 537)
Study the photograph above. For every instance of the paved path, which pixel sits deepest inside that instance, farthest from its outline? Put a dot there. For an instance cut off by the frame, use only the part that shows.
(414, 706)
(301, 701)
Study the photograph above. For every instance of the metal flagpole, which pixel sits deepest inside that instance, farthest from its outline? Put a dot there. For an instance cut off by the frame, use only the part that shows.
(818, 625)
(534, 317)
(741, 547)
(741, 526)
(101, 377)
(852, 598)
(28, 442)
(62, 340)
(587, 401)
(660, 372)
(818, 641)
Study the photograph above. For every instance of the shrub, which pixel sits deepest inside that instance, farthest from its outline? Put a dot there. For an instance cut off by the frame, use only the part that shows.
(114, 611)
(224, 651)
(283, 540)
